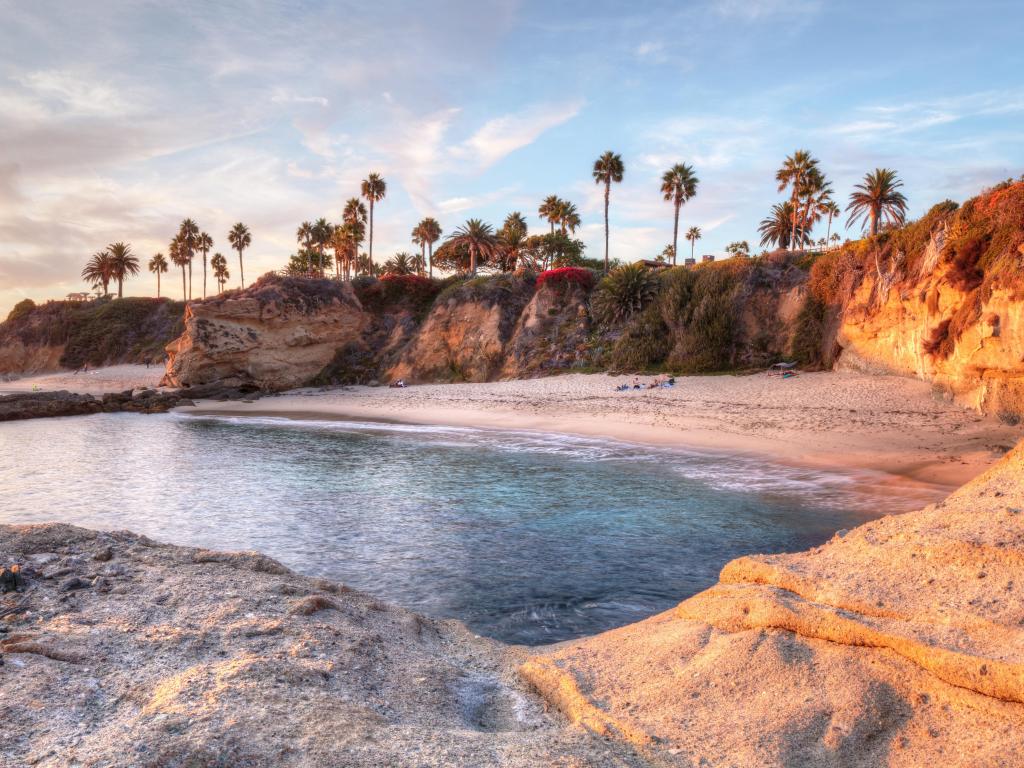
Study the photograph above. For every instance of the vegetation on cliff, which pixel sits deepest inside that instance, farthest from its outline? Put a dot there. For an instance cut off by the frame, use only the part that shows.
(101, 332)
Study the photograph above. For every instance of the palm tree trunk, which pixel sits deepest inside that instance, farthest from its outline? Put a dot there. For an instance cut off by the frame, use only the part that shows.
(190, 279)
(472, 260)
(430, 260)
(241, 271)
(607, 194)
(693, 244)
(828, 231)
(675, 236)
(120, 285)
(158, 284)
(184, 293)
(371, 231)
(874, 222)
(204, 274)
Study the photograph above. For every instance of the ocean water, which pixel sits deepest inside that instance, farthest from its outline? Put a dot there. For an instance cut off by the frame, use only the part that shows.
(526, 537)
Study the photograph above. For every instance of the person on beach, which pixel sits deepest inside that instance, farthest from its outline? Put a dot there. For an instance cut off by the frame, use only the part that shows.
(636, 383)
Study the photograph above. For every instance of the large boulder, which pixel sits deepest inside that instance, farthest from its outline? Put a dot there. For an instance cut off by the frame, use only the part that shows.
(278, 334)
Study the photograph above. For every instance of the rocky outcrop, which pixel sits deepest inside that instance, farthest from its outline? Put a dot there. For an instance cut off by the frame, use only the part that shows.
(900, 643)
(37, 405)
(277, 334)
(464, 337)
(118, 650)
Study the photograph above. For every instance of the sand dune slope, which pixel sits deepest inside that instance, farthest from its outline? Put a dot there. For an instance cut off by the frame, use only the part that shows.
(900, 643)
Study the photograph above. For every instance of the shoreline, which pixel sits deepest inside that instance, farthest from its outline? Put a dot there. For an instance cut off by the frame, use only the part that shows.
(956, 444)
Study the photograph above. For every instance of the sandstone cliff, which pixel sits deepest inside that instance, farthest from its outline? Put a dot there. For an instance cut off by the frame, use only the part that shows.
(900, 643)
(942, 300)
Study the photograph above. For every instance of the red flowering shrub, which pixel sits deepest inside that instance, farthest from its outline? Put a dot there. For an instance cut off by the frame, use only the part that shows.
(567, 275)
(393, 291)
(407, 282)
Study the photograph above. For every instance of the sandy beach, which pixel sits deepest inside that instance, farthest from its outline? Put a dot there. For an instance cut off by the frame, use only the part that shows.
(835, 420)
(96, 381)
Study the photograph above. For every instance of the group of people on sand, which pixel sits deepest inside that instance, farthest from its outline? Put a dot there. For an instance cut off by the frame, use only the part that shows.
(660, 382)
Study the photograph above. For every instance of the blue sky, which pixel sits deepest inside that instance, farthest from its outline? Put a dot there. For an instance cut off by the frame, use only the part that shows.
(118, 119)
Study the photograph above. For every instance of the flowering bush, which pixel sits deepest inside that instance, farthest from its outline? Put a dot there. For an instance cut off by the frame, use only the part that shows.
(407, 282)
(567, 275)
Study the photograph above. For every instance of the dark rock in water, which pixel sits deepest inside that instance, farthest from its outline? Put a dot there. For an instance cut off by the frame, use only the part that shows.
(36, 405)
(215, 391)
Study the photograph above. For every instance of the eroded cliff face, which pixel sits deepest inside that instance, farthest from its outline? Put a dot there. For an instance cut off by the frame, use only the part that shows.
(278, 334)
(952, 313)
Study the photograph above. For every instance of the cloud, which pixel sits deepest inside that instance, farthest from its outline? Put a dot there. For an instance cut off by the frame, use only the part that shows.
(753, 10)
(501, 136)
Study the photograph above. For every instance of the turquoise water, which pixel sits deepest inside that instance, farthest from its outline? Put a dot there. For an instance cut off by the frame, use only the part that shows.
(526, 537)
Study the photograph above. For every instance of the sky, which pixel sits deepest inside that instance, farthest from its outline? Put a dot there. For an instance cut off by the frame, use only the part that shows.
(119, 119)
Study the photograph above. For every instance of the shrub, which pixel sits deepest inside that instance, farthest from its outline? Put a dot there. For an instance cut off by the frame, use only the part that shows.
(392, 292)
(938, 344)
(644, 343)
(20, 309)
(567, 275)
(624, 292)
(806, 345)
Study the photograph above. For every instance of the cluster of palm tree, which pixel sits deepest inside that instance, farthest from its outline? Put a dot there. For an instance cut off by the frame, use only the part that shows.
(189, 242)
(115, 263)
(425, 234)
(876, 201)
(560, 213)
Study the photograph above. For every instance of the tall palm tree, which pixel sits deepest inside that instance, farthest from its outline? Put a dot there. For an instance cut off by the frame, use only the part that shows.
(830, 209)
(776, 228)
(99, 270)
(373, 189)
(123, 263)
(418, 239)
(189, 232)
(693, 234)
(794, 173)
(158, 265)
(354, 210)
(431, 234)
(678, 184)
(180, 259)
(304, 235)
(220, 270)
(240, 239)
(549, 210)
(877, 200)
(355, 217)
(478, 238)
(608, 168)
(204, 243)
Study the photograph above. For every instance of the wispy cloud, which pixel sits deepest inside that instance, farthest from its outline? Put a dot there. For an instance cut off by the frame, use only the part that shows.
(501, 136)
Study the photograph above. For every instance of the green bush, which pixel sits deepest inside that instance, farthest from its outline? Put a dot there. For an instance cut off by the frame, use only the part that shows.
(624, 292)
(21, 309)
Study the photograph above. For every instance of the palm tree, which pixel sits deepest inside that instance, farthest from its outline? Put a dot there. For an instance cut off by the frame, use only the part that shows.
(608, 168)
(220, 270)
(123, 264)
(776, 228)
(373, 189)
(513, 238)
(549, 210)
(240, 239)
(180, 259)
(794, 173)
(830, 209)
(431, 232)
(418, 239)
(322, 232)
(693, 234)
(478, 238)
(99, 270)
(399, 264)
(205, 244)
(568, 216)
(678, 184)
(158, 265)
(189, 233)
(304, 235)
(354, 216)
(878, 201)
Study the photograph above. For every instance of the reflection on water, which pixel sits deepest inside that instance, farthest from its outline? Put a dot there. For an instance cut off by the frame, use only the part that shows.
(526, 537)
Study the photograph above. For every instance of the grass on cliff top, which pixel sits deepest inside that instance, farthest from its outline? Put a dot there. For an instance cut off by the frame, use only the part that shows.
(304, 294)
(102, 332)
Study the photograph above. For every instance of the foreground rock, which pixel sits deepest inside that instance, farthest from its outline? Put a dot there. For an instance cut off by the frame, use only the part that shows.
(121, 651)
(900, 643)
(35, 405)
